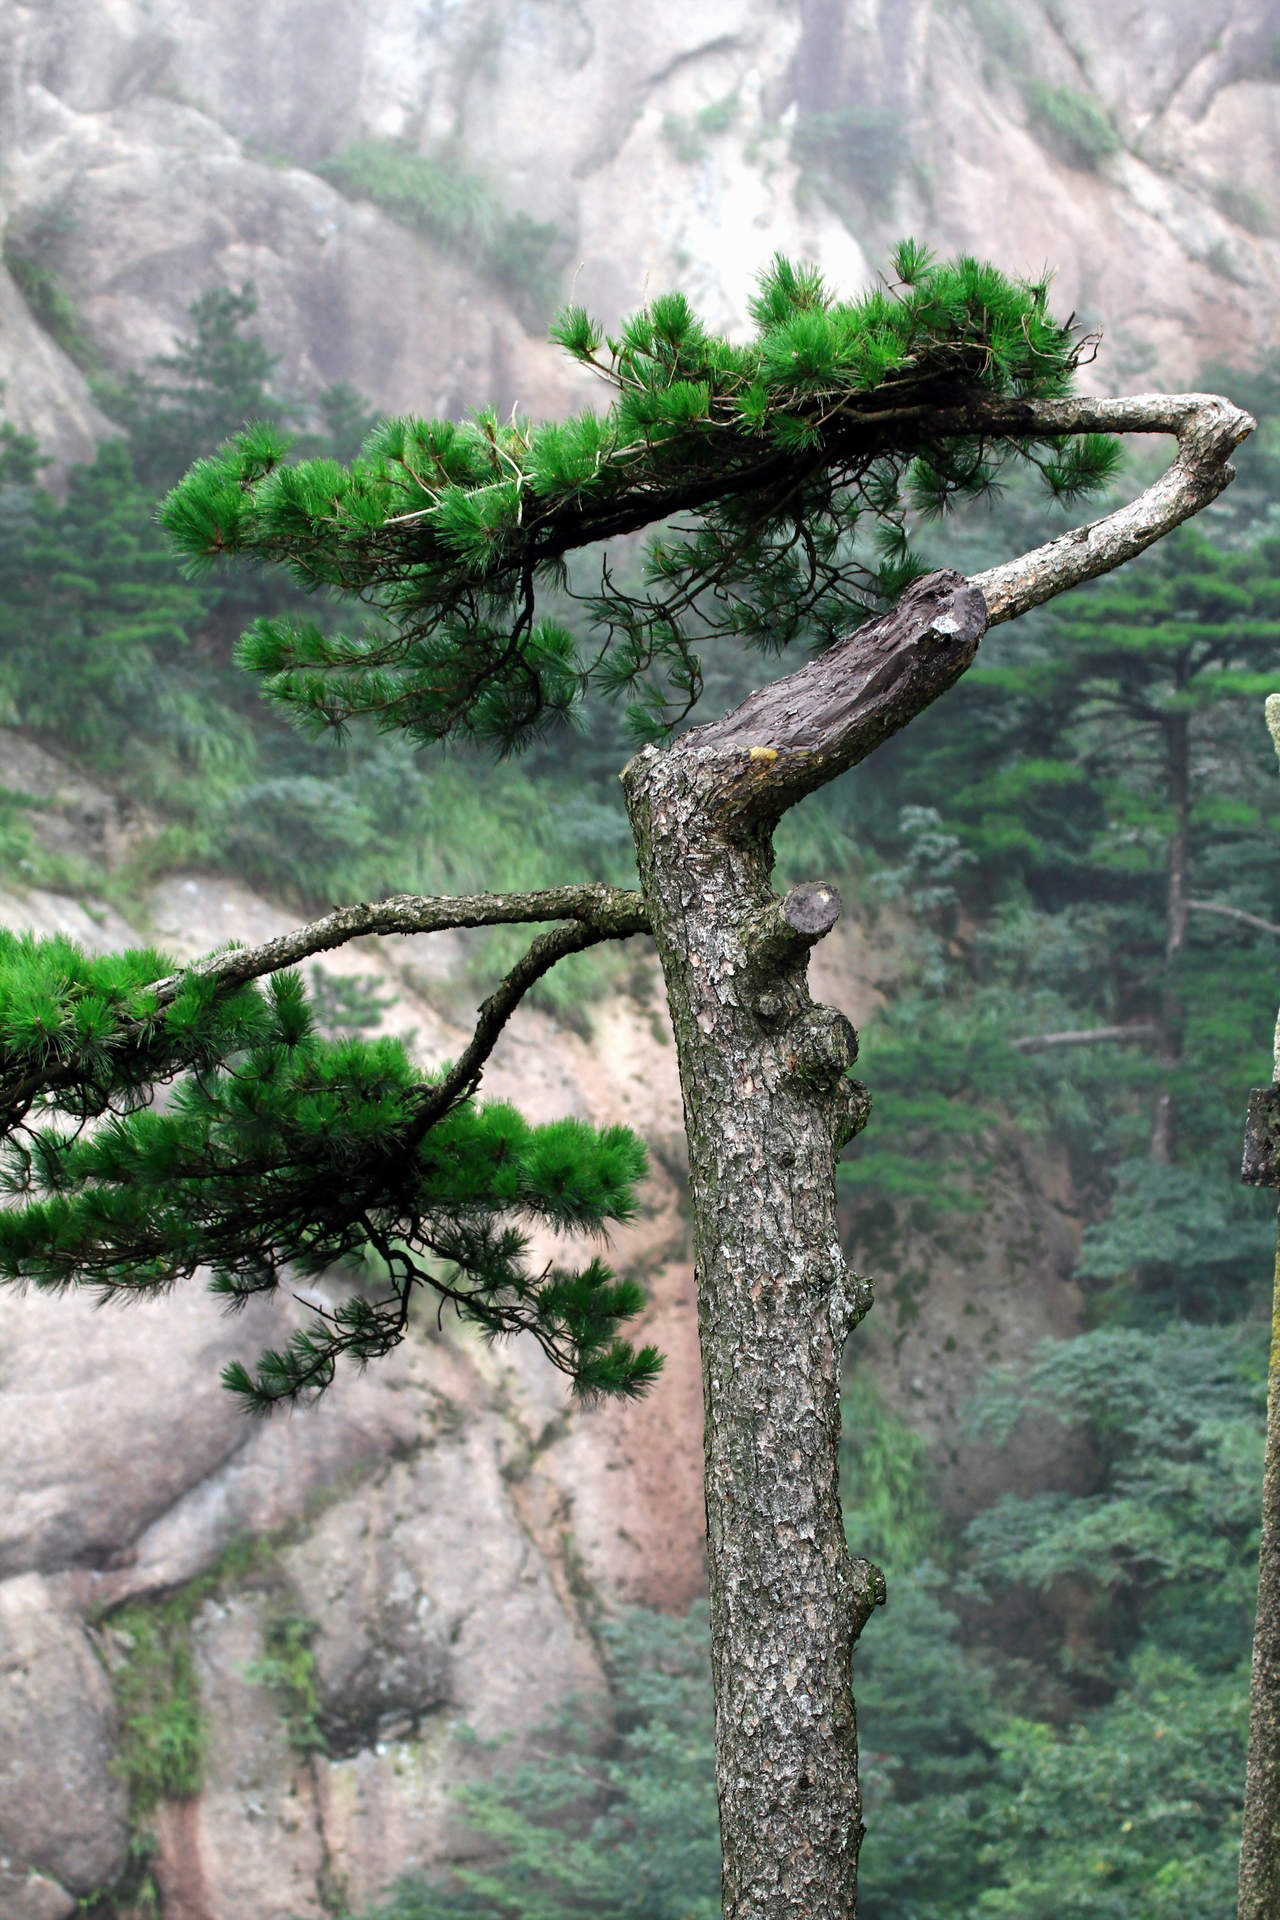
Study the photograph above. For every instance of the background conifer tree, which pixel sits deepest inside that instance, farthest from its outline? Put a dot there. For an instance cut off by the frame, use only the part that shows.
(780, 474)
(1138, 673)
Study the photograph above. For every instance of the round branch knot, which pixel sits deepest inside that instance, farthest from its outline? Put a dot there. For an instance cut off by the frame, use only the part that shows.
(852, 1298)
(812, 909)
(826, 1046)
(856, 1110)
(868, 1592)
(778, 937)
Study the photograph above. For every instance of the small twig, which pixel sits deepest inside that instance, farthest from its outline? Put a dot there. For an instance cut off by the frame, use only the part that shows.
(464, 1076)
(1083, 1037)
(1233, 913)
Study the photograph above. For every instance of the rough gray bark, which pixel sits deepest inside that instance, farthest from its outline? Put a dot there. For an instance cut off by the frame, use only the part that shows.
(767, 1105)
(1260, 1835)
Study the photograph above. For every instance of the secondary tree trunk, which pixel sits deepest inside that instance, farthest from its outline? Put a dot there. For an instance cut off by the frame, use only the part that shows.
(1260, 1835)
(1178, 764)
(767, 1106)
(1260, 1840)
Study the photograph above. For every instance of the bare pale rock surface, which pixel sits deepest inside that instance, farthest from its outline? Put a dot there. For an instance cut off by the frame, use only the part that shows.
(107, 1419)
(33, 1896)
(62, 1811)
(154, 150)
(436, 1517)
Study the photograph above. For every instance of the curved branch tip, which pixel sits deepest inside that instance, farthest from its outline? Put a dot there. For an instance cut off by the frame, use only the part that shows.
(1208, 429)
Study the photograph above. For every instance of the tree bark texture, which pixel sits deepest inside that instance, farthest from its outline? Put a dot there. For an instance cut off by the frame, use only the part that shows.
(768, 1104)
(1260, 1836)
(1260, 1839)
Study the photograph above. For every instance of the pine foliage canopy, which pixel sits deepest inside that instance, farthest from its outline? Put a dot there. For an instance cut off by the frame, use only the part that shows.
(276, 1149)
(760, 462)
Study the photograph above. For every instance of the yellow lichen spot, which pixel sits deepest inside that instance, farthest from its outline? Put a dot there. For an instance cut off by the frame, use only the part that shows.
(763, 753)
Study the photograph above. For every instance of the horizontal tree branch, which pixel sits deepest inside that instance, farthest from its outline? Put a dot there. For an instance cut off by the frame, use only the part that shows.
(852, 434)
(611, 913)
(1233, 913)
(595, 913)
(1083, 1037)
(1207, 428)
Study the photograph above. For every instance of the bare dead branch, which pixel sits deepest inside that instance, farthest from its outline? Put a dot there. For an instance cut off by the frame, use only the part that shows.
(1083, 1037)
(463, 1078)
(1233, 913)
(1207, 428)
(801, 731)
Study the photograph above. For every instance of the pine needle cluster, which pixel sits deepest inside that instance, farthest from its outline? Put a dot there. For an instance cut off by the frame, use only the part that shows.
(278, 1152)
(781, 473)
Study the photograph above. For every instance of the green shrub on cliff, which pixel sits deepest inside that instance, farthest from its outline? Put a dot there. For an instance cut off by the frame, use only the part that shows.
(458, 209)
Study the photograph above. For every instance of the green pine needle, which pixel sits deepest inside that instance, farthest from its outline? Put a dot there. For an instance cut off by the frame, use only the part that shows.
(763, 454)
(279, 1150)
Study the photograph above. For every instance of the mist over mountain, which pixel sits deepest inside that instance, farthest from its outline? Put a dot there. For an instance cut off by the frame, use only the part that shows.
(481, 160)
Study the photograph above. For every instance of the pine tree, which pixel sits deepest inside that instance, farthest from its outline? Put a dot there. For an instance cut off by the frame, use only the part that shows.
(1138, 671)
(779, 474)
(103, 643)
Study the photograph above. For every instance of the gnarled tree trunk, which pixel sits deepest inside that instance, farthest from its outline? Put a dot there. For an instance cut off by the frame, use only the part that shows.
(767, 1106)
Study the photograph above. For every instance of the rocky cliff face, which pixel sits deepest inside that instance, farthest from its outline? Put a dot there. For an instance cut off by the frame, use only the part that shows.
(447, 1526)
(446, 1523)
(152, 148)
